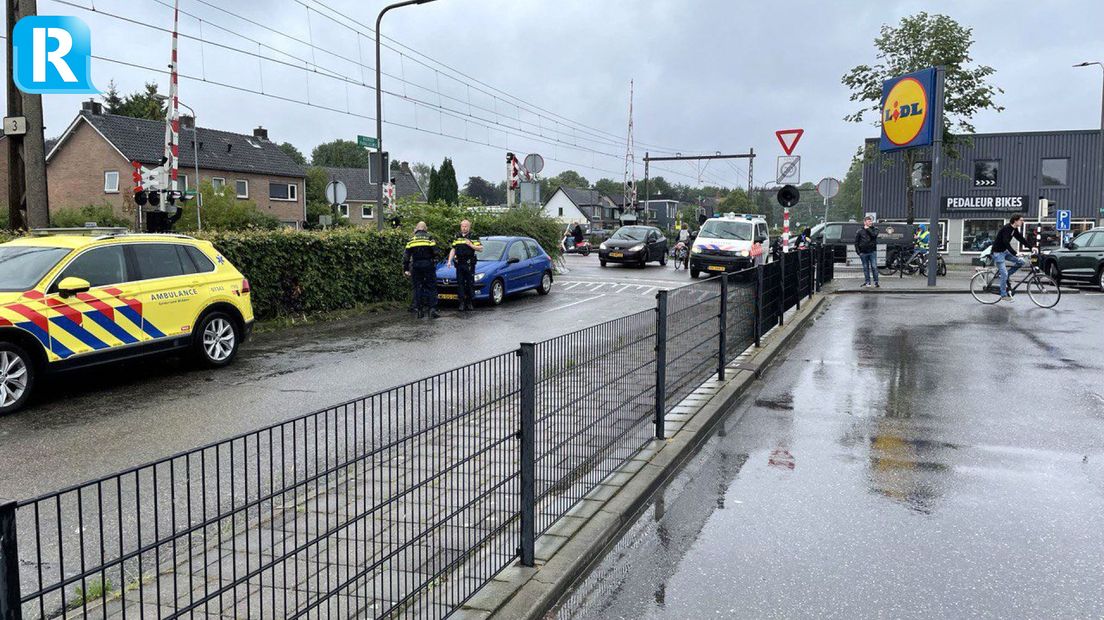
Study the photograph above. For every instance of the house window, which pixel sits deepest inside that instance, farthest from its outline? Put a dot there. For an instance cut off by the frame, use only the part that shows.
(979, 234)
(366, 212)
(985, 172)
(343, 209)
(111, 182)
(241, 187)
(1055, 172)
(282, 191)
(921, 175)
(183, 182)
(560, 212)
(217, 183)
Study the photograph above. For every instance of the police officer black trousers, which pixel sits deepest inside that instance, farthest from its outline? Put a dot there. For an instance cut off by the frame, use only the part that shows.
(424, 274)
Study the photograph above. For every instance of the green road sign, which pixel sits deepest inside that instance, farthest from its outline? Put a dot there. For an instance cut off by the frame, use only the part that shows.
(365, 142)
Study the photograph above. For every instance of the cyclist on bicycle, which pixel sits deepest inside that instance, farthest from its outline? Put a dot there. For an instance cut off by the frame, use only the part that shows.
(921, 241)
(1002, 253)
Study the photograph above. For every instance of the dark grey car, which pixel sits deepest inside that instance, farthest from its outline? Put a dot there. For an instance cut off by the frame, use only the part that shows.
(1081, 259)
(634, 245)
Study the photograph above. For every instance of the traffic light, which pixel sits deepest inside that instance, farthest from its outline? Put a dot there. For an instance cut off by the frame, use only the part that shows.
(154, 198)
(788, 196)
(140, 197)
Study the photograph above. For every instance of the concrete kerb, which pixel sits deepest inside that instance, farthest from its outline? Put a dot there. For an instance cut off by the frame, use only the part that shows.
(519, 592)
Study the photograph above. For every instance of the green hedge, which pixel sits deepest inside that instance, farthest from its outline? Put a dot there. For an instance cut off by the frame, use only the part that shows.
(294, 273)
(443, 222)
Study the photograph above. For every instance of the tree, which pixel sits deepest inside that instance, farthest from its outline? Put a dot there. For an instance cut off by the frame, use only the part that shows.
(609, 187)
(293, 153)
(433, 194)
(223, 211)
(111, 99)
(657, 188)
(446, 176)
(737, 201)
(848, 203)
(483, 191)
(918, 42)
(340, 154)
(421, 172)
(140, 104)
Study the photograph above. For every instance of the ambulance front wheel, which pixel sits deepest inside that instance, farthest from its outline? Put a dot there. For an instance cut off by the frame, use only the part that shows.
(216, 340)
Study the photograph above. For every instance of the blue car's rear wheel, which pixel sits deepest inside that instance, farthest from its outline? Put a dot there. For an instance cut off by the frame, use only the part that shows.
(498, 292)
(546, 284)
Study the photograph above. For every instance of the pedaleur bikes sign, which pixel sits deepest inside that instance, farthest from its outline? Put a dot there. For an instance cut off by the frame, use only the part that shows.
(907, 106)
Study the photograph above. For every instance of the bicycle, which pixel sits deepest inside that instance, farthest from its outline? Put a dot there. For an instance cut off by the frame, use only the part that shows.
(1043, 292)
(902, 262)
(941, 265)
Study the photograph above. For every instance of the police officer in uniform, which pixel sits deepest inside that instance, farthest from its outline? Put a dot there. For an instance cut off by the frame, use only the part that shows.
(420, 264)
(462, 254)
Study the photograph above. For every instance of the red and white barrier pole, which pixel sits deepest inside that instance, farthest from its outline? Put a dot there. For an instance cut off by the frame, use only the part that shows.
(785, 230)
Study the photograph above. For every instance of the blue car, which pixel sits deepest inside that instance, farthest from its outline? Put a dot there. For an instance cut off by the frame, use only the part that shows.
(507, 265)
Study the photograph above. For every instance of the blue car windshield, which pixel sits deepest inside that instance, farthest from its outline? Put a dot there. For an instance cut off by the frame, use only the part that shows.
(21, 267)
(492, 250)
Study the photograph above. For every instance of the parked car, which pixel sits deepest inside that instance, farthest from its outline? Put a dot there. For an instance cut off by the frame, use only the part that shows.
(507, 265)
(634, 245)
(1081, 259)
(69, 301)
(724, 243)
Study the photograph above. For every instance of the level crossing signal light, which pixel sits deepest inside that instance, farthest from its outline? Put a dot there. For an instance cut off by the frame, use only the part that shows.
(788, 196)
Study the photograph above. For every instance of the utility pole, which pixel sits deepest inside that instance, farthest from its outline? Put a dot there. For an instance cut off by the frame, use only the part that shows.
(28, 202)
(628, 197)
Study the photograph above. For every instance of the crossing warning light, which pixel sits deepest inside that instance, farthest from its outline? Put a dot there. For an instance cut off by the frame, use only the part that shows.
(788, 196)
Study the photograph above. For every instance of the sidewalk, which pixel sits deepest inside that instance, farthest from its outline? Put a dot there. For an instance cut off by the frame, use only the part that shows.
(850, 279)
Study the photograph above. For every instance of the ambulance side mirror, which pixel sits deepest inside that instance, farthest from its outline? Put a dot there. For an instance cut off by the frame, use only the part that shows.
(71, 286)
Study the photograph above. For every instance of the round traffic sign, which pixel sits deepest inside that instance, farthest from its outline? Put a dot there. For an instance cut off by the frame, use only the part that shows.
(828, 187)
(336, 192)
(534, 163)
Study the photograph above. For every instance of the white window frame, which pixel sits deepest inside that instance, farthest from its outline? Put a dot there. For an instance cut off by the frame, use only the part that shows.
(107, 188)
(367, 211)
(343, 209)
(218, 187)
(293, 192)
(238, 194)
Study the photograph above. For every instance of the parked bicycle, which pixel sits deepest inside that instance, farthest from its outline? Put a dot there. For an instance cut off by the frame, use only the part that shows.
(906, 261)
(985, 285)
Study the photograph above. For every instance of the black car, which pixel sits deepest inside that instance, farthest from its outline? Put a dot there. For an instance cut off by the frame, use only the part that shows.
(1081, 259)
(634, 245)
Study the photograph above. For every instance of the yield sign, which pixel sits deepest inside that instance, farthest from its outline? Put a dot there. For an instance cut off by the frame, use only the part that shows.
(791, 136)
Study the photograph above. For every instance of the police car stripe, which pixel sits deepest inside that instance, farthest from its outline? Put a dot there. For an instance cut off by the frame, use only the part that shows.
(70, 327)
(111, 327)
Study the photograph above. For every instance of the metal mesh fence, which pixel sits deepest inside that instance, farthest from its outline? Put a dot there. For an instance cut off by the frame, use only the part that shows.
(595, 401)
(358, 510)
(693, 324)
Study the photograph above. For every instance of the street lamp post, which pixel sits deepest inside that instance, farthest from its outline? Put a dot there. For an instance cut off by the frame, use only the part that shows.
(1100, 145)
(383, 174)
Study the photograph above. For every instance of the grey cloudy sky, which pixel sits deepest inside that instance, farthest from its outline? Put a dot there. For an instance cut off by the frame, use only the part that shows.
(710, 75)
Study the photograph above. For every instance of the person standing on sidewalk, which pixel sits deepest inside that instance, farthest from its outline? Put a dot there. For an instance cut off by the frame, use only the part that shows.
(866, 245)
(420, 265)
(462, 255)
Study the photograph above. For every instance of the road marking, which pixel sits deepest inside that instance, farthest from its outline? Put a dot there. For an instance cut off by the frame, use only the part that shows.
(574, 303)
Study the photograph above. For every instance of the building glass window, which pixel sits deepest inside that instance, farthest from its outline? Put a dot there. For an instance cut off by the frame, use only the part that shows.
(1055, 172)
(282, 191)
(979, 234)
(343, 209)
(921, 175)
(111, 181)
(366, 211)
(985, 172)
(241, 188)
(942, 231)
(217, 183)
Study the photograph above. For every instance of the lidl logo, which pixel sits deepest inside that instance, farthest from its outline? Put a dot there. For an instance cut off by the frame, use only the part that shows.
(906, 105)
(52, 55)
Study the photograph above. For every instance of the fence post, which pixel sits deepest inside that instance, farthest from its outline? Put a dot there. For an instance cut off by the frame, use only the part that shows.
(758, 305)
(782, 289)
(10, 608)
(722, 333)
(798, 293)
(661, 363)
(812, 273)
(528, 452)
(819, 258)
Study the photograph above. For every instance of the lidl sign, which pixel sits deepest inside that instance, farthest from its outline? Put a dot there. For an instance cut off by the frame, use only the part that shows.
(907, 105)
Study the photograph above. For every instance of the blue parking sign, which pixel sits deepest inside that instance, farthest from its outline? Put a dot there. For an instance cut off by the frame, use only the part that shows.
(1063, 219)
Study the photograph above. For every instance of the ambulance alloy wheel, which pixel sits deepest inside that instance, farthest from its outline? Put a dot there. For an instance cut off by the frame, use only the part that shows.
(216, 339)
(17, 377)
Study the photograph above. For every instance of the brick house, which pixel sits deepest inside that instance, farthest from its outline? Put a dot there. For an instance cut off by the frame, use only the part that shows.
(361, 191)
(91, 164)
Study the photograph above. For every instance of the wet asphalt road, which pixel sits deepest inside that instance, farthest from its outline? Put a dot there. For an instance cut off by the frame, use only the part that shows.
(95, 423)
(911, 457)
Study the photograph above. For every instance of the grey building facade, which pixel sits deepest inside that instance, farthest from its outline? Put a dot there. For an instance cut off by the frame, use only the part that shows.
(994, 176)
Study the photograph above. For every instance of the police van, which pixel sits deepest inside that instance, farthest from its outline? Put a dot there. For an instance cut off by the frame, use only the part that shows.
(724, 244)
